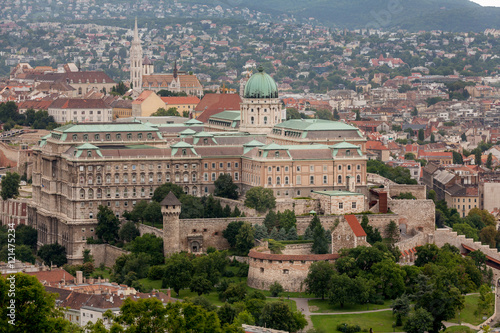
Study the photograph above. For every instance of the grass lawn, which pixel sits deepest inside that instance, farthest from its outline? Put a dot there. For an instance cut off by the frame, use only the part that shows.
(467, 313)
(153, 284)
(459, 329)
(379, 321)
(322, 306)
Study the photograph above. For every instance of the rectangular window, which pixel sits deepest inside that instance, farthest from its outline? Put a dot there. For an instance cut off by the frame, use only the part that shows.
(298, 168)
(311, 168)
(354, 205)
(206, 165)
(311, 180)
(236, 164)
(229, 165)
(236, 176)
(205, 176)
(213, 176)
(325, 179)
(299, 181)
(325, 168)
(213, 165)
(341, 205)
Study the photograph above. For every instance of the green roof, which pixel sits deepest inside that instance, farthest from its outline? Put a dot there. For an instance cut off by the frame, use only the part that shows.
(228, 115)
(193, 122)
(109, 127)
(273, 146)
(181, 144)
(203, 134)
(188, 131)
(315, 125)
(253, 143)
(345, 145)
(261, 85)
(337, 193)
(87, 146)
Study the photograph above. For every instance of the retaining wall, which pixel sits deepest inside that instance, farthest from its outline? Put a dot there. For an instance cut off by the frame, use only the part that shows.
(105, 253)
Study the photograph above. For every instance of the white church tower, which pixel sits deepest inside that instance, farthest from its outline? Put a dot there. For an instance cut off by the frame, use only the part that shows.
(136, 61)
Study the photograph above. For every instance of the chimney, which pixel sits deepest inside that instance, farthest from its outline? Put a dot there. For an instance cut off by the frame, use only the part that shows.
(111, 299)
(382, 202)
(168, 294)
(79, 277)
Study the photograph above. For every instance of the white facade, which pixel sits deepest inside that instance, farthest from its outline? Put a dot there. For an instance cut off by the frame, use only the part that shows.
(136, 60)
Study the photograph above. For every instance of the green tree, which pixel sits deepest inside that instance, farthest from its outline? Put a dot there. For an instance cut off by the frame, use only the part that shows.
(153, 214)
(486, 301)
(178, 270)
(276, 289)
(477, 157)
(358, 116)
(26, 235)
(53, 254)
(260, 232)
(421, 134)
(108, 225)
(287, 220)
(128, 232)
(292, 113)
(200, 285)
(277, 315)
(149, 244)
(391, 276)
(341, 287)
(372, 234)
(405, 196)
(318, 278)
(324, 114)
(392, 232)
(261, 199)
(22, 253)
(161, 112)
(488, 236)
(419, 322)
(10, 185)
(161, 192)
(489, 161)
(410, 156)
(225, 188)
(35, 309)
(271, 220)
(320, 241)
(245, 239)
(231, 232)
(457, 158)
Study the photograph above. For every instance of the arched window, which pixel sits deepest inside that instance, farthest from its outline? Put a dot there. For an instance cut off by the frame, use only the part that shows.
(340, 167)
(91, 194)
(82, 194)
(269, 180)
(85, 137)
(186, 178)
(129, 136)
(75, 137)
(108, 178)
(186, 190)
(252, 120)
(150, 136)
(193, 176)
(348, 167)
(278, 180)
(90, 179)
(194, 191)
(358, 179)
(286, 180)
(339, 180)
(80, 91)
(89, 153)
(98, 179)
(139, 136)
(184, 152)
(117, 178)
(277, 154)
(99, 193)
(151, 176)
(118, 136)
(108, 136)
(143, 178)
(97, 137)
(265, 120)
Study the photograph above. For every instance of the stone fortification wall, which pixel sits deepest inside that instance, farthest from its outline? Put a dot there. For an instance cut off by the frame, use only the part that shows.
(299, 206)
(105, 253)
(146, 229)
(289, 270)
(415, 214)
(418, 191)
(373, 178)
(297, 249)
(417, 240)
(446, 235)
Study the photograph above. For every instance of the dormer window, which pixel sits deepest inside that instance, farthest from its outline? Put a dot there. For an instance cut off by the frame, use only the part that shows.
(118, 136)
(184, 152)
(139, 136)
(89, 153)
(150, 136)
(85, 137)
(108, 136)
(75, 137)
(97, 137)
(347, 152)
(129, 136)
(277, 154)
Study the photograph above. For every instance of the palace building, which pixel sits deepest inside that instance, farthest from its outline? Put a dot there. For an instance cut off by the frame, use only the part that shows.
(78, 167)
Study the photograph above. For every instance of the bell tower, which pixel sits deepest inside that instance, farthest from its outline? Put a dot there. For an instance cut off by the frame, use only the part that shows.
(136, 60)
(171, 209)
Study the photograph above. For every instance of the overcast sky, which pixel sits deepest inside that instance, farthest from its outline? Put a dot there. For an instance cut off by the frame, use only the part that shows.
(495, 3)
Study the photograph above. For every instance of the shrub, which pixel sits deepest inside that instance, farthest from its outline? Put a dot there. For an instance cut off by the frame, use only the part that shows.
(156, 272)
(276, 289)
(228, 274)
(346, 328)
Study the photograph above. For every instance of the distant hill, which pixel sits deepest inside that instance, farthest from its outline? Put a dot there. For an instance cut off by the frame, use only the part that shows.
(413, 15)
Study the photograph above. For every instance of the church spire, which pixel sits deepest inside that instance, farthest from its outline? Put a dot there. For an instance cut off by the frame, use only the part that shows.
(136, 31)
(175, 69)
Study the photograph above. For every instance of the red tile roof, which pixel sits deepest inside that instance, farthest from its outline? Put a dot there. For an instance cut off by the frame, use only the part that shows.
(78, 103)
(53, 277)
(181, 100)
(212, 104)
(375, 145)
(355, 226)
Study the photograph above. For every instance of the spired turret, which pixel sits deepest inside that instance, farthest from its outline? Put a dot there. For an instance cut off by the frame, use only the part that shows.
(171, 209)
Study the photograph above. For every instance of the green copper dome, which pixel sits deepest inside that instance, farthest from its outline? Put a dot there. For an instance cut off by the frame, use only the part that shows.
(261, 85)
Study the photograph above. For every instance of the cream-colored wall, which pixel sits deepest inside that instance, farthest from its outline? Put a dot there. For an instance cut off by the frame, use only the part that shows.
(150, 105)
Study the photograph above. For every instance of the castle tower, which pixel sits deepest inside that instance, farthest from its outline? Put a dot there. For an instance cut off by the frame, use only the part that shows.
(171, 209)
(136, 60)
(261, 107)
